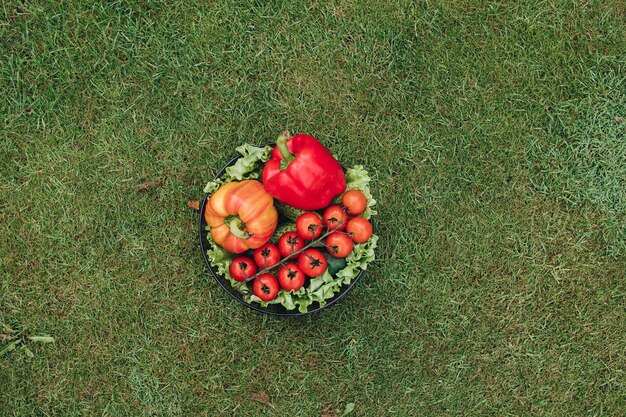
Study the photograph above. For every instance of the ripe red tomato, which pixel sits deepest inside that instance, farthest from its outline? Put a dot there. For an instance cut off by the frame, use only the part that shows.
(290, 277)
(335, 218)
(354, 201)
(360, 228)
(312, 263)
(242, 268)
(289, 243)
(339, 244)
(265, 287)
(267, 255)
(309, 226)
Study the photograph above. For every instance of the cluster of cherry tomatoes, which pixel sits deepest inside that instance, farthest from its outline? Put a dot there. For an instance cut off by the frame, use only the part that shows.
(345, 230)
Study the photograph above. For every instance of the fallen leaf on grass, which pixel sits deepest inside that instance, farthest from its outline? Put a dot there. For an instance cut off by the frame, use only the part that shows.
(329, 411)
(148, 185)
(261, 396)
(193, 204)
(5, 336)
(618, 119)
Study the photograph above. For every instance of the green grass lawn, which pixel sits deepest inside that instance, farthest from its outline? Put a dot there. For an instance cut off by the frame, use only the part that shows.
(495, 136)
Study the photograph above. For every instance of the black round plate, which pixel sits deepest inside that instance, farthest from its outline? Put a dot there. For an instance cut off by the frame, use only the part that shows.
(272, 309)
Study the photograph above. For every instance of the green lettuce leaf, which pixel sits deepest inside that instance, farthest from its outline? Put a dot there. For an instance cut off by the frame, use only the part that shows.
(219, 257)
(246, 167)
(213, 185)
(249, 166)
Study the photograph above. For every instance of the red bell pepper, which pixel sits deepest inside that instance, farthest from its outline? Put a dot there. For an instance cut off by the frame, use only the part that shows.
(307, 180)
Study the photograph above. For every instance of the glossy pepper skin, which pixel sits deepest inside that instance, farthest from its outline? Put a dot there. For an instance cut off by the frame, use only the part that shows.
(241, 215)
(311, 177)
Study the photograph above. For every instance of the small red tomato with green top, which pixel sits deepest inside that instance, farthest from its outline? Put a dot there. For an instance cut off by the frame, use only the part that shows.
(335, 218)
(265, 287)
(360, 229)
(339, 244)
(309, 226)
(312, 263)
(267, 255)
(290, 277)
(289, 243)
(242, 268)
(354, 201)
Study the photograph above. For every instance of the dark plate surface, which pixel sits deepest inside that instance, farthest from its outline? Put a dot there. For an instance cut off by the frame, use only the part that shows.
(272, 309)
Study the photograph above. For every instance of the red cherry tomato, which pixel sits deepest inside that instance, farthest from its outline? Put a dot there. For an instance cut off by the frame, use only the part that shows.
(312, 263)
(335, 218)
(267, 255)
(289, 243)
(265, 287)
(360, 228)
(354, 201)
(339, 244)
(290, 277)
(309, 226)
(242, 268)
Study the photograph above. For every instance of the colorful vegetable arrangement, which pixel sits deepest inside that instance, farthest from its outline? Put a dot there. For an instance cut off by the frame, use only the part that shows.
(306, 256)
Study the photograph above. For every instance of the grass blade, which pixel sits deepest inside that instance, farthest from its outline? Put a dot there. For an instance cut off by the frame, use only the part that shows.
(10, 347)
(29, 352)
(8, 329)
(41, 339)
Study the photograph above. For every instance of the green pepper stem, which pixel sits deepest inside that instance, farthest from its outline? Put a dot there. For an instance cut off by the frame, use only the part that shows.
(281, 143)
(236, 228)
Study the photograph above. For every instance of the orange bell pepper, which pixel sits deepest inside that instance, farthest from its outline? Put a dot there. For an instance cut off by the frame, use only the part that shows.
(241, 215)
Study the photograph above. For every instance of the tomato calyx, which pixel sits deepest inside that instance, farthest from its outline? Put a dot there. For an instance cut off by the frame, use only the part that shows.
(333, 220)
(291, 274)
(335, 217)
(293, 241)
(266, 256)
(265, 288)
(315, 262)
